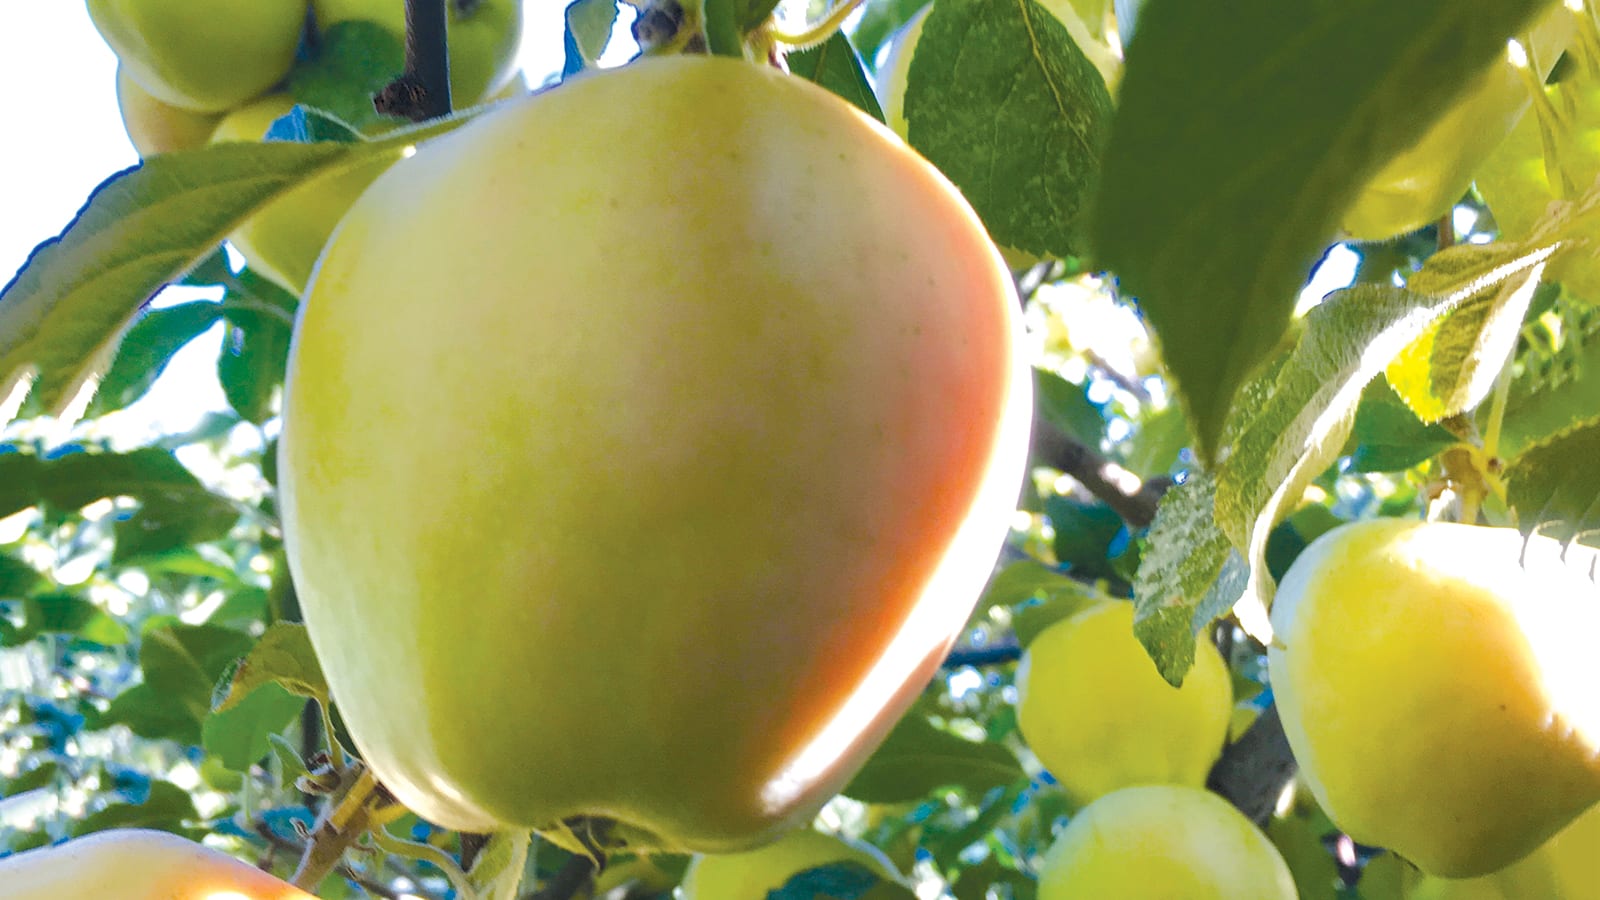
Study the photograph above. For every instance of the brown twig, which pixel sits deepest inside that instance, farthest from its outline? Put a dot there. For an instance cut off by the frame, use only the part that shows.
(1134, 500)
(423, 90)
(1254, 770)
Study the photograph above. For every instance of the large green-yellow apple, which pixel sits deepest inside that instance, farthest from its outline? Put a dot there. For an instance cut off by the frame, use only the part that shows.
(1097, 713)
(755, 873)
(202, 56)
(647, 441)
(1566, 867)
(136, 864)
(1163, 841)
(1421, 183)
(1437, 685)
(155, 127)
(484, 36)
(282, 240)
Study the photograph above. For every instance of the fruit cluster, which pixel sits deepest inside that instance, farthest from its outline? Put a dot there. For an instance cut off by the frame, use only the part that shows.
(193, 73)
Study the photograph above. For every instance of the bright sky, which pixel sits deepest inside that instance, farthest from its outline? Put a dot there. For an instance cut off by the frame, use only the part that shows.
(63, 135)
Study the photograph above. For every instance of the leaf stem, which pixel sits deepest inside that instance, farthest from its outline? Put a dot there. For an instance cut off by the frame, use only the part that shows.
(427, 853)
(822, 30)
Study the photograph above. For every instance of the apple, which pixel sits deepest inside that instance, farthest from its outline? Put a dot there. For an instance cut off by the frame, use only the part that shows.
(647, 442)
(1163, 840)
(755, 873)
(1565, 867)
(202, 56)
(282, 240)
(1099, 716)
(136, 864)
(1437, 687)
(155, 127)
(1423, 182)
(484, 36)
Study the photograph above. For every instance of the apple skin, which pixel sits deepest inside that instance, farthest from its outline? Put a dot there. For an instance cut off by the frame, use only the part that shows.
(283, 239)
(155, 127)
(1565, 867)
(1438, 694)
(1423, 182)
(1163, 840)
(136, 864)
(648, 473)
(1094, 709)
(754, 874)
(202, 56)
(484, 36)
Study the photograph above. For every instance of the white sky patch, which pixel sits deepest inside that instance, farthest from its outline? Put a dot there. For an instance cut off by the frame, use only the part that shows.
(1338, 270)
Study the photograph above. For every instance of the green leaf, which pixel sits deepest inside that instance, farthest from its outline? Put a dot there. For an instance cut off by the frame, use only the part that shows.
(166, 809)
(918, 758)
(146, 349)
(1554, 485)
(1066, 406)
(1084, 533)
(239, 735)
(878, 20)
(17, 578)
(282, 657)
(1288, 440)
(1387, 436)
(589, 25)
(1316, 877)
(42, 775)
(1452, 365)
(1038, 595)
(1001, 99)
(353, 61)
(62, 613)
(839, 881)
(834, 65)
(1552, 396)
(724, 31)
(183, 663)
(1181, 563)
(151, 714)
(1156, 443)
(63, 313)
(255, 345)
(1240, 139)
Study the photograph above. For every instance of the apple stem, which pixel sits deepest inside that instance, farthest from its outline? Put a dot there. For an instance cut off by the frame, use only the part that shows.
(422, 91)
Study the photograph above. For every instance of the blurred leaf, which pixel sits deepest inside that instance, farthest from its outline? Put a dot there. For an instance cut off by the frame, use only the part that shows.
(283, 657)
(834, 65)
(255, 345)
(878, 20)
(1554, 485)
(1316, 876)
(1553, 398)
(1228, 169)
(1384, 878)
(589, 24)
(1387, 436)
(184, 662)
(1002, 101)
(63, 313)
(839, 881)
(1156, 443)
(239, 735)
(17, 578)
(353, 61)
(42, 775)
(146, 349)
(62, 613)
(1084, 533)
(151, 714)
(917, 758)
(166, 809)
(1066, 406)
(1452, 365)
